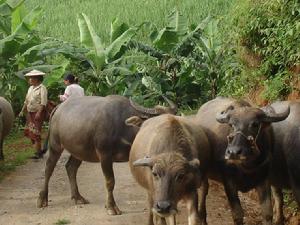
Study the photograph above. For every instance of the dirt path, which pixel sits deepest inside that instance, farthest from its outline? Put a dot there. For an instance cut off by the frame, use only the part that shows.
(19, 191)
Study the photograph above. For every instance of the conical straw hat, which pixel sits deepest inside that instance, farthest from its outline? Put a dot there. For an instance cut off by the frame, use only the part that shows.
(33, 73)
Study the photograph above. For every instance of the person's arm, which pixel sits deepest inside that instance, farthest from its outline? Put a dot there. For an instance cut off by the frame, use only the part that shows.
(44, 100)
(66, 94)
(24, 107)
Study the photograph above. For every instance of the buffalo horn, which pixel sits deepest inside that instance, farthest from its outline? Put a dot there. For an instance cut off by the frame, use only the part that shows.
(147, 161)
(156, 110)
(276, 117)
(173, 107)
(142, 109)
(223, 117)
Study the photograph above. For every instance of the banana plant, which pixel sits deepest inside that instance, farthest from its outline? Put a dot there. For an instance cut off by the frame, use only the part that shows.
(178, 59)
(22, 49)
(103, 58)
(211, 56)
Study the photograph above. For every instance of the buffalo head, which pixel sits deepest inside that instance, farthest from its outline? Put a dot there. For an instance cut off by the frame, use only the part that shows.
(248, 124)
(172, 176)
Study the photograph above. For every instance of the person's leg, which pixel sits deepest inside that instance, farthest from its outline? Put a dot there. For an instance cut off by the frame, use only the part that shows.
(37, 130)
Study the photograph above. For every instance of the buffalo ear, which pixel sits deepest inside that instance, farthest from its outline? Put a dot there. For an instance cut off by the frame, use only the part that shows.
(195, 163)
(147, 161)
(134, 121)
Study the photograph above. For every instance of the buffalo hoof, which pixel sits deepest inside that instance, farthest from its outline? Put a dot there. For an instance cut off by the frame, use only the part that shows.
(203, 223)
(113, 210)
(278, 223)
(80, 200)
(42, 200)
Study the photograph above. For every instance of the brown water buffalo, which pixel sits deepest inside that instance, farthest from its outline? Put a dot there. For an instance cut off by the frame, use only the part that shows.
(6, 122)
(169, 158)
(241, 140)
(93, 129)
(285, 171)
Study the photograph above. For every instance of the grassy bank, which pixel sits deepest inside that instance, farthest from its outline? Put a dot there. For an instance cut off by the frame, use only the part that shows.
(17, 149)
(60, 17)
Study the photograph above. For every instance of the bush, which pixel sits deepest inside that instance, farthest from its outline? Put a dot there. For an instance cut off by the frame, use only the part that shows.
(269, 31)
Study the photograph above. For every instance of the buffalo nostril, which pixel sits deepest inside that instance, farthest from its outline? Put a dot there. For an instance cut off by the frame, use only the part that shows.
(163, 206)
(231, 152)
(238, 151)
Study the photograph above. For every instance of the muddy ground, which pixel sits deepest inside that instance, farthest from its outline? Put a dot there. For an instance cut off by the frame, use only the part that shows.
(19, 191)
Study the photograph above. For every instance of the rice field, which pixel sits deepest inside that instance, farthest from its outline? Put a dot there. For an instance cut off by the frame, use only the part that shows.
(60, 16)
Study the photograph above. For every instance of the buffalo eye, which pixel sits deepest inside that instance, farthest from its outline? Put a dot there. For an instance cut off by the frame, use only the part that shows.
(155, 174)
(179, 177)
(254, 124)
(230, 137)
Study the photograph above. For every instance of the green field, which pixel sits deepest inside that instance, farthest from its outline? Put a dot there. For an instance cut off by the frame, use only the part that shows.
(60, 16)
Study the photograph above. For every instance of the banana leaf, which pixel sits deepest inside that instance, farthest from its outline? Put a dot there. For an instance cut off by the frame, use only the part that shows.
(92, 41)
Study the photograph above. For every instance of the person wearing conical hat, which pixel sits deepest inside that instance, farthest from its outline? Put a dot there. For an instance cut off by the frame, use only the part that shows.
(34, 107)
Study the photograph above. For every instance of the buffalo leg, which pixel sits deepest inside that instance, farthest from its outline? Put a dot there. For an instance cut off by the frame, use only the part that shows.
(202, 206)
(107, 169)
(45, 144)
(154, 218)
(50, 165)
(264, 195)
(72, 167)
(150, 204)
(1, 148)
(278, 205)
(234, 202)
(192, 209)
(295, 180)
(171, 220)
(159, 220)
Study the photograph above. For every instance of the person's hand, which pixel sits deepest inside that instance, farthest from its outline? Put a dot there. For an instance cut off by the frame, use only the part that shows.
(21, 114)
(38, 116)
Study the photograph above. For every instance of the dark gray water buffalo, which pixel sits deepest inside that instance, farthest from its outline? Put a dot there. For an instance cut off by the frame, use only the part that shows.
(6, 122)
(285, 171)
(241, 139)
(169, 158)
(93, 129)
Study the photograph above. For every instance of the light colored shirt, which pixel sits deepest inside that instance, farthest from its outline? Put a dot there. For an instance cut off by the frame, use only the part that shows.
(35, 98)
(72, 91)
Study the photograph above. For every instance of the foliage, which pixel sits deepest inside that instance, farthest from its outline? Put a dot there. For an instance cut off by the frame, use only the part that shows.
(277, 87)
(60, 21)
(271, 30)
(22, 49)
(104, 75)
(17, 150)
(189, 60)
(16, 36)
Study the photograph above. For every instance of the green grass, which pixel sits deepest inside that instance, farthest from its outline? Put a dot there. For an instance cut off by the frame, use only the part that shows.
(60, 16)
(17, 149)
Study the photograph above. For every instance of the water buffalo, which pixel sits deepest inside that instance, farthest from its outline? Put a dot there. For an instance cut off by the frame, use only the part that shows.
(241, 140)
(6, 122)
(93, 129)
(285, 171)
(169, 158)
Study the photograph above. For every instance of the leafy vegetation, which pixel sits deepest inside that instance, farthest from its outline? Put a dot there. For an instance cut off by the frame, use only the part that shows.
(60, 18)
(22, 49)
(185, 57)
(17, 150)
(270, 32)
(190, 51)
